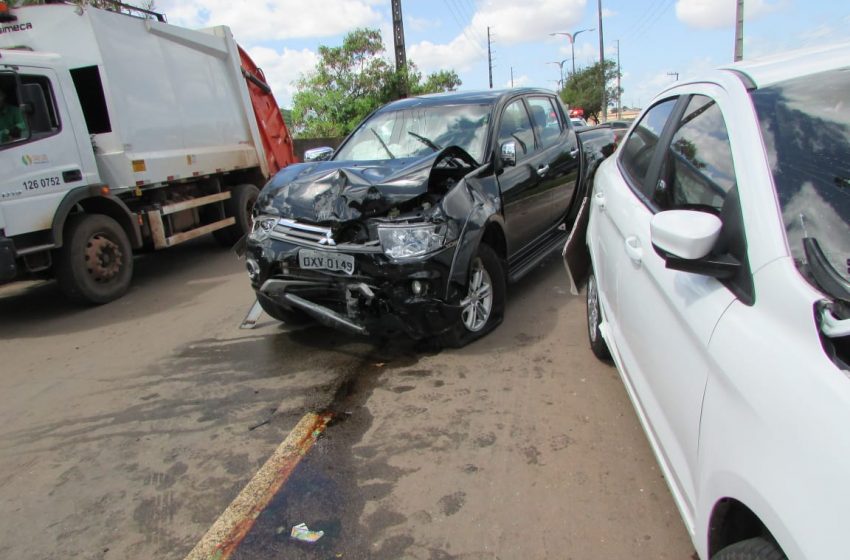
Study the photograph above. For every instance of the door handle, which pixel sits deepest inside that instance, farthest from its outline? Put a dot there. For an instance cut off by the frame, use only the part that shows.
(599, 198)
(543, 170)
(633, 249)
(574, 152)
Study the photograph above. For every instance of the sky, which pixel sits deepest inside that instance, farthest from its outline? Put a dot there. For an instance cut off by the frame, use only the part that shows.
(657, 38)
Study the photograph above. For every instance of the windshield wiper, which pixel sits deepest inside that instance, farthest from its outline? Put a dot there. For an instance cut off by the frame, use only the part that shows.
(427, 141)
(381, 140)
(823, 273)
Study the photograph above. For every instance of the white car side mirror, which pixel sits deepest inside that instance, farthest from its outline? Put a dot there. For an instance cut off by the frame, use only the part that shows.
(687, 234)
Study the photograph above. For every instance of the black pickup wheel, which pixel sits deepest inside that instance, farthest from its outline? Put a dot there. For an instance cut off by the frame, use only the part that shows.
(292, 317)
(483, 303)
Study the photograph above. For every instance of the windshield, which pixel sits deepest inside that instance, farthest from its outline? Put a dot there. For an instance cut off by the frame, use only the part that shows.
(806, 127)
(418, 131)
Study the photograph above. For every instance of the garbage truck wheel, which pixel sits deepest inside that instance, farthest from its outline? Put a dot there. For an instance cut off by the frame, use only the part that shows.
(239, 206)
(95, 263)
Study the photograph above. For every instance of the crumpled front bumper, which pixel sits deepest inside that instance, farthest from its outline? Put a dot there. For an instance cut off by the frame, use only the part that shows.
(378, 298)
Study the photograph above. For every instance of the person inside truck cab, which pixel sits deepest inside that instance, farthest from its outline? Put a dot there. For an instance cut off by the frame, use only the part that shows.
(12, 123)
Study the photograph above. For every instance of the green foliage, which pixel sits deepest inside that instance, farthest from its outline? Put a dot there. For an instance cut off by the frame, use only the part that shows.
(351, 81)
(287, 117)
(584, 88)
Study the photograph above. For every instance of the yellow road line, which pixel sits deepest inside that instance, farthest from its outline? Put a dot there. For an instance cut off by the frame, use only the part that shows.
(234, 523)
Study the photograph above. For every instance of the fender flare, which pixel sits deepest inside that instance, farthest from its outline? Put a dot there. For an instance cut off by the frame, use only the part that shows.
(106, 204)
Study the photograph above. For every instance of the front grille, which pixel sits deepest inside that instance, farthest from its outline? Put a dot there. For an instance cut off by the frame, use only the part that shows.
(318, 237)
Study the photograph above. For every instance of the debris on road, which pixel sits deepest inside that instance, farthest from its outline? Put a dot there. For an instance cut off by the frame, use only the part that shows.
(252, 317)
(302, 533)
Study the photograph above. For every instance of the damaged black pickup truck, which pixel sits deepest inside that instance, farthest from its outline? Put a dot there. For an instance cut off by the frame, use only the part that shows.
(422, 216)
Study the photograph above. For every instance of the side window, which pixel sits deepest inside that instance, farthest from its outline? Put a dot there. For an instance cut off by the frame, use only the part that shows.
(13, 125)
(546, 122)
(640, 145)
(698, 169)
(516, 127)
(40, 105)
(89, 88)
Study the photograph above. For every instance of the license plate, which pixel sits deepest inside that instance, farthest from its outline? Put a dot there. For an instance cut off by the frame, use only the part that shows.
(319, 260)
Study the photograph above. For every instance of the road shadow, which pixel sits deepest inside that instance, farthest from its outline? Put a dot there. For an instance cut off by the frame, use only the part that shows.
(162, 280)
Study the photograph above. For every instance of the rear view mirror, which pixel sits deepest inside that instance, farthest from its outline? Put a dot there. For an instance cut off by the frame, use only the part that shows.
(319, 154)
(509, 154)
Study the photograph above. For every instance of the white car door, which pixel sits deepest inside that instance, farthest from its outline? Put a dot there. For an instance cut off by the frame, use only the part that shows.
(611, 206)
(667, 316)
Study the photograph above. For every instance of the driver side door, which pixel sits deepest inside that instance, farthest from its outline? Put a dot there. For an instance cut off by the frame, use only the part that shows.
(525, 201)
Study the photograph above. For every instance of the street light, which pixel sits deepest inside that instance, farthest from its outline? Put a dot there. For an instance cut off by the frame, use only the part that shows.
(572, 37)
(560, 71)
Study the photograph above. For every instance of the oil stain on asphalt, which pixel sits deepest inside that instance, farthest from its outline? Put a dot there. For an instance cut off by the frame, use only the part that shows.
(331, 485)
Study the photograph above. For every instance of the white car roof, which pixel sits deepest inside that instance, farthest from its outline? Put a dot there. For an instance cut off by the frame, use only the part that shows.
(768, 70)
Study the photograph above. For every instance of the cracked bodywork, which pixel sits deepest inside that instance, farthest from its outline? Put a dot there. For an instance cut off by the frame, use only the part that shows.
(336, 208)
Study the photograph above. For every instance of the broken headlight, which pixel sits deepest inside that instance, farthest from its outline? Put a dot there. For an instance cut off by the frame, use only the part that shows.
(401, 242)
(263, 226)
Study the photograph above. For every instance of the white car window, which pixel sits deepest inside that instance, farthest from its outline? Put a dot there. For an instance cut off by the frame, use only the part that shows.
(698, 168)
(640, 145)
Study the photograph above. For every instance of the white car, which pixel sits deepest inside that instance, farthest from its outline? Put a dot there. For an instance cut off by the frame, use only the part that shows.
(719, 282)
(578, 122)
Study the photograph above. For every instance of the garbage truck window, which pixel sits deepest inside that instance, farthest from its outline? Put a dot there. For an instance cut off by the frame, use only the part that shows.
(39, 106)
(13, 127)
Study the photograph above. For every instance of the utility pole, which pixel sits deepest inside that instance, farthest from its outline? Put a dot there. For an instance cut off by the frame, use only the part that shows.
(400, 54)
(619, 91)
(602, 64)
(739, 31)
(512, 76)
(489, 57)
(675, 75)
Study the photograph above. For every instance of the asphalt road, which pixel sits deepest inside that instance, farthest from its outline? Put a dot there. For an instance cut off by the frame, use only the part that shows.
(126, 429)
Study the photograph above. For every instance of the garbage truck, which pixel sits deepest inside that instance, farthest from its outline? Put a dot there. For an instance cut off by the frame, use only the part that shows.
(120, 132)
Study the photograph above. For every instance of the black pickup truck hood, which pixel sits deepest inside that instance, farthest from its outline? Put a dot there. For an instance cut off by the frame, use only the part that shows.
(339, 191)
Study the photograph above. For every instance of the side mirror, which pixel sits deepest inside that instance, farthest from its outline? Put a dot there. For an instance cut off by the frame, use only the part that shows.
(509, 154)
(687, 234)
(319, 154)
(685, 238)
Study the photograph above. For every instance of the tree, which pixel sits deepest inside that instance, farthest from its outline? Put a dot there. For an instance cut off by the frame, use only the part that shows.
(351, 81)
(584, 88)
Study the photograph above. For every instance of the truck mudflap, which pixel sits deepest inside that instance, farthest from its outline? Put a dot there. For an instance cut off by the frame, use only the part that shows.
(8, 268)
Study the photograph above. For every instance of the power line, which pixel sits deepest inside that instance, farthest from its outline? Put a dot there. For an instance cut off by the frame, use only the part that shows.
(653, 20)
(468, 15)
(463, 28)
(643, 17)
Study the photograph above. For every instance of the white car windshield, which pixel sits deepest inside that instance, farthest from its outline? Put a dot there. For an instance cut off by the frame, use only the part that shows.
(418, 131)
(805, 123)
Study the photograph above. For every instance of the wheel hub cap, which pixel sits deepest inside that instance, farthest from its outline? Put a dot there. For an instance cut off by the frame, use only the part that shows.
(592, 309)
(103, 258)
(478, 302)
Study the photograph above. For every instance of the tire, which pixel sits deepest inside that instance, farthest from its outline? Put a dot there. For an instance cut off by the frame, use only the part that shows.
(486, 308)
(293, 317)
(95, 263)
(594, 318)
(238, 206)
(751, 549)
